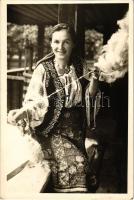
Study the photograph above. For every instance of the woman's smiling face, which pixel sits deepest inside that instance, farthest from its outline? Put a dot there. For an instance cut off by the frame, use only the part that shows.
(62, 44)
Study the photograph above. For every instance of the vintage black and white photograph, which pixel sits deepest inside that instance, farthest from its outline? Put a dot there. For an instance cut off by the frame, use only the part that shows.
(68, 112)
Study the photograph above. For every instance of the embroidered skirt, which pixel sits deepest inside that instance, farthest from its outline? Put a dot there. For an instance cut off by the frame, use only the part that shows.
(65, 151)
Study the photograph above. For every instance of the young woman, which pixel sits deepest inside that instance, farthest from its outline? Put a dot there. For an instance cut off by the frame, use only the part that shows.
(57, 108)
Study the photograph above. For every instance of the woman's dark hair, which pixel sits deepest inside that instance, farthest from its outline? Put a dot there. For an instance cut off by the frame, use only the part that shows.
(64, 26)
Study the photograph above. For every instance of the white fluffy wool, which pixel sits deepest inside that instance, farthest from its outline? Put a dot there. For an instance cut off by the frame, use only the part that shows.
(22, 147)
(36, 153)
(113, 62)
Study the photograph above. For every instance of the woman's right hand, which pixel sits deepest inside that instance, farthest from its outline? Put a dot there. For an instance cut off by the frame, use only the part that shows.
(15, 115)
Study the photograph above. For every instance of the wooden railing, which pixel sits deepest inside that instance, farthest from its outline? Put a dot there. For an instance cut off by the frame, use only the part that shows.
(17, 83)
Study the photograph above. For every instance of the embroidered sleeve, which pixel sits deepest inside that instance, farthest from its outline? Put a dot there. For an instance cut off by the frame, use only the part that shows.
(36, 101)
(92, 94)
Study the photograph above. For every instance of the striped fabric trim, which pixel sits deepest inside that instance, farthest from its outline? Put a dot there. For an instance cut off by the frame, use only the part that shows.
(71, 190)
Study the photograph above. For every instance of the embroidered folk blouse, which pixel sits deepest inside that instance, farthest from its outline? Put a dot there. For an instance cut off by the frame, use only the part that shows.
(36, 102)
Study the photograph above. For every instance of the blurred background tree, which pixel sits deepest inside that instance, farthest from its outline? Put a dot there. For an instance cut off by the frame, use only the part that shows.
(93, 44)
(16, 39)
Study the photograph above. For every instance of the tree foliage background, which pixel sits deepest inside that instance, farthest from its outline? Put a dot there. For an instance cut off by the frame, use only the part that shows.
(18, 35)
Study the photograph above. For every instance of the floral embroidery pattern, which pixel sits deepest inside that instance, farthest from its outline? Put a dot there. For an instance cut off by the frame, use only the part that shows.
(72, 164)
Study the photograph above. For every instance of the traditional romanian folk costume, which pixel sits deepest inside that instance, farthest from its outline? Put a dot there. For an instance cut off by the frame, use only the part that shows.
(60, 127)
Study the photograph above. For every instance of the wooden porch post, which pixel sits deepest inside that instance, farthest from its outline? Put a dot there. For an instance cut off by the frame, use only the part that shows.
(80, 29)
(28, 55)
(40, 41)
(66, 13)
